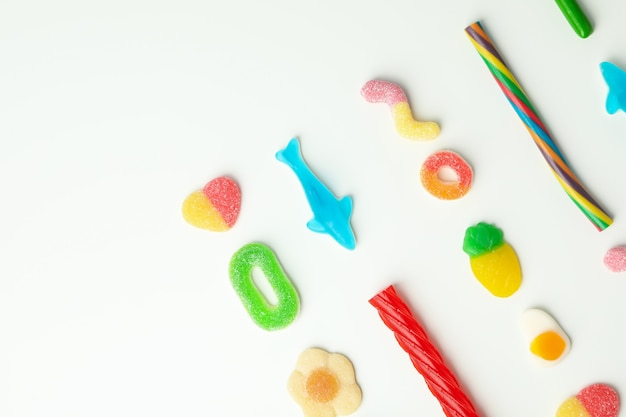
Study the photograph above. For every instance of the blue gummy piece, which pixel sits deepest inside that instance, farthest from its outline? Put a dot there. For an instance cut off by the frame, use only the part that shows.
(615, 79)
(330, 215)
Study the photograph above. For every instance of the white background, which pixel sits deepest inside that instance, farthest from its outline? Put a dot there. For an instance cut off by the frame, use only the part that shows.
(111, 113)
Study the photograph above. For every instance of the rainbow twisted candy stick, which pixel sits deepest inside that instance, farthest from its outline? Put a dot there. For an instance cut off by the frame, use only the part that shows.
(524, 109)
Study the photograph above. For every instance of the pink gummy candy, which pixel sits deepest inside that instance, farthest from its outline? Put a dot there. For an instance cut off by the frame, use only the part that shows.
(377, 91)
(224, 195)
(599, 400)
(615, 259)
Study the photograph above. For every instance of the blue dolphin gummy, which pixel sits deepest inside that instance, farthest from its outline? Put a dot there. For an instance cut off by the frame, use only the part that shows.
(615, 78)
(330, 215)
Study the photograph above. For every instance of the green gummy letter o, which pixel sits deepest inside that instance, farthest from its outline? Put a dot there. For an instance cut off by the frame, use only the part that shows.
(264, 314)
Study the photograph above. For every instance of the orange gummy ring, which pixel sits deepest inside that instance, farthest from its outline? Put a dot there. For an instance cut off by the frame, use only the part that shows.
(446, 190)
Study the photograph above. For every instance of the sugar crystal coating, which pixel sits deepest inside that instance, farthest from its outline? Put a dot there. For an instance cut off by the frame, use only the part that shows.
(429, 175)
(615, 259)
(600, 400)
(378, 91)
(199, 212)
(262, 312)
(572, 407)
(596, 400)
(216, 207)
(225, 196)
(324, 384)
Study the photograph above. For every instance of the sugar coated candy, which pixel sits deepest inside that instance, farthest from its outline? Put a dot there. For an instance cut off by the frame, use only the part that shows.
(430, 175)
(324, 384)
(215, 207)
(615, 259)
(377, 91)
(596, 400)
(265, 314)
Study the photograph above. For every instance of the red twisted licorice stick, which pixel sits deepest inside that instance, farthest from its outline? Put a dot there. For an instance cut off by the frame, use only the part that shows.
(413, 339)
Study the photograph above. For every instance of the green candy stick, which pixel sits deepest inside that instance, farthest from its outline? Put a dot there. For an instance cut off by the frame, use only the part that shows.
(576, 17)
(266, 315)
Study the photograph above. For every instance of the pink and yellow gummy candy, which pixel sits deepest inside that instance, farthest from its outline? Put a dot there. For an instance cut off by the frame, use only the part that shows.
(215, 207)
(377, 91)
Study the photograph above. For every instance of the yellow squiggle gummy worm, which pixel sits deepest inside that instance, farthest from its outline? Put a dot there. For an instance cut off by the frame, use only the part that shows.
(377, 91)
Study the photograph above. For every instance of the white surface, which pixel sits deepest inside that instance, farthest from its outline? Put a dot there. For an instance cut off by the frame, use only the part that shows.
(112, 112)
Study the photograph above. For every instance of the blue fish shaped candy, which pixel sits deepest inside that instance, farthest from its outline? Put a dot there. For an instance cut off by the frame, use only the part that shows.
(615, 79)
(330, 215)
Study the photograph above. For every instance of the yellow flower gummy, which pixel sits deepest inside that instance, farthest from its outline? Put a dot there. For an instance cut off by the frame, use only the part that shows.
(324, 384)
